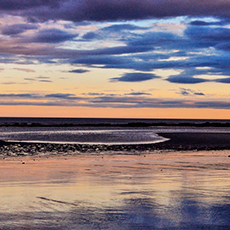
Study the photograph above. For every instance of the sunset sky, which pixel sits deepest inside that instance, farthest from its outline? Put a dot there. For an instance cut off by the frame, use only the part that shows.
(115, 58)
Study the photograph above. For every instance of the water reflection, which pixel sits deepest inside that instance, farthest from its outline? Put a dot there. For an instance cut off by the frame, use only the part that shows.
(118, 192)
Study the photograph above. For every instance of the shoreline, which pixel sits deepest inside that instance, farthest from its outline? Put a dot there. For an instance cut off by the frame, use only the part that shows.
(179, 123)
(177, 142)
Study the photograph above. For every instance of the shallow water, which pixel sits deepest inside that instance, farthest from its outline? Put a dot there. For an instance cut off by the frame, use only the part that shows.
(83, 136)
(158, 191)
(96, 135)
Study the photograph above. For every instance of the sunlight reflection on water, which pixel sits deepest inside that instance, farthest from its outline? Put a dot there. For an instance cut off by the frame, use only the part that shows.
(84, 136)
(117, 192)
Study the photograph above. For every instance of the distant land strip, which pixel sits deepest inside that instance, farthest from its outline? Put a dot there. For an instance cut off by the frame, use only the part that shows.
(132, 124)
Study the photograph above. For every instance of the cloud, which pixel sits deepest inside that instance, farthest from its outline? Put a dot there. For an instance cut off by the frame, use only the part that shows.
(12, 83)
(102, 60)
(122, 27)
(138, 94)
(111, 101)
(25, 70)
(17, 28)
(208, 23)
(223, 80)
(115, 32)
(100, 10)
(30, 79)
(45, 81)
(190, 92)
(26, 95)
(135, 77)
(90, 36)
(121, 50)
(42, 77)
(116, 103)
(79, 71)
(24, 5)
(185, 80)
(95, 94)
(199, 94)
(124, 45)
(208, 35)
(189, 76)
(39, 79)
(52, 36)
(154, 39)
(62, 96)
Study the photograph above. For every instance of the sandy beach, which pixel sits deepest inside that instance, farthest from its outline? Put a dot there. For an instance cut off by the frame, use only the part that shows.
(159, 190)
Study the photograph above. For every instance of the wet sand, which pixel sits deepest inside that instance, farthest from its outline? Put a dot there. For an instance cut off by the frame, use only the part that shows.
(175, 141)
(160, 190)
(195, 141)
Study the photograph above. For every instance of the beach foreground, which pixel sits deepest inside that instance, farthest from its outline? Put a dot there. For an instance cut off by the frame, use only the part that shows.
(161, 190)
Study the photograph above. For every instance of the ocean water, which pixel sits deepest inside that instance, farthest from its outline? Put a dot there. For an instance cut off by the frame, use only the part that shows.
(101, 131)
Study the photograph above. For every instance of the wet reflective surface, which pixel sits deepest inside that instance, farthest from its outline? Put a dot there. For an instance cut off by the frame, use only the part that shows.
(165, 190)
(47, 135)
(98, 135)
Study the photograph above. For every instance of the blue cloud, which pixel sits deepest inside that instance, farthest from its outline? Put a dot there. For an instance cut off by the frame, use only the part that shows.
(62, 96)
(208, 36)
(39, 79)
(154, 39)
(138, 94)
(112, 101)
(209, 23)
(89, 36)
(25, 5)
(199, 94)
(190, 92)
(121, 27)
(52, 36)
(97, 10)
(135, 77)
(17, 28)
(185, 80)
(223, 80)
(23, 95)
(46, 81)
(103, 60)
(79, 71)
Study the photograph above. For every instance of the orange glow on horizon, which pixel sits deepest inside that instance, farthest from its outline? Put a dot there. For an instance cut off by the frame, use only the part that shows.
(77, 112)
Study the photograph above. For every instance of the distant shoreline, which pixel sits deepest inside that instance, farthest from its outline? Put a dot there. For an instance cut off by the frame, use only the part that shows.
(129, 124)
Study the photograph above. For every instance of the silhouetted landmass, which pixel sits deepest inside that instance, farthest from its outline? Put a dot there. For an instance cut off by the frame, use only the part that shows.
(131, 124)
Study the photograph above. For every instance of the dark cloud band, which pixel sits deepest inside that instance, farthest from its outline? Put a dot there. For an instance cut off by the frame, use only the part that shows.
(101, 10)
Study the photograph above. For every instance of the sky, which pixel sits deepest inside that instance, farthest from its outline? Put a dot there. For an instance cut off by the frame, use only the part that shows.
(115, 58)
